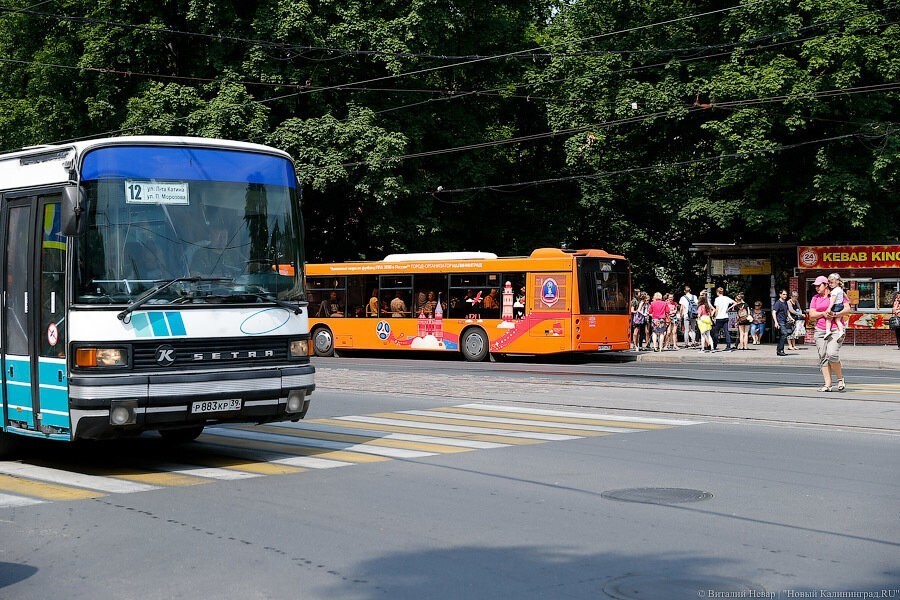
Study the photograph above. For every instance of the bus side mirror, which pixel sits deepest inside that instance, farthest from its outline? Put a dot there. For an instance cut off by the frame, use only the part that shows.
(72, 210)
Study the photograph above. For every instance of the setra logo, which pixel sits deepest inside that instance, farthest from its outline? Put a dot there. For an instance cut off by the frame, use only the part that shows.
(165, 355)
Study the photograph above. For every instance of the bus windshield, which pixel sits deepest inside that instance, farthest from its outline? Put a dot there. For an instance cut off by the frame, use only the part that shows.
(224, 222)
(603, 286)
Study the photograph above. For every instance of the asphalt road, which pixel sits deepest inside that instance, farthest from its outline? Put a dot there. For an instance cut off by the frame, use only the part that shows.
(480, 481)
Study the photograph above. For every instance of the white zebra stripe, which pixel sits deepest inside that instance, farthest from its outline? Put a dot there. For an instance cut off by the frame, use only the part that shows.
(580, 415)
(205, 472)
(519, 422)
(90, 482)
(326, 444)
(528, 435)
(7, 500)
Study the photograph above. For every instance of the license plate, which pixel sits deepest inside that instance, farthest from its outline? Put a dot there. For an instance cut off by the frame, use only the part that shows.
(208, 406)
(603, 347)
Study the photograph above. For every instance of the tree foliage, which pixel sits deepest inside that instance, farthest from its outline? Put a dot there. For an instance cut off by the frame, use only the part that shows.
(501, 125)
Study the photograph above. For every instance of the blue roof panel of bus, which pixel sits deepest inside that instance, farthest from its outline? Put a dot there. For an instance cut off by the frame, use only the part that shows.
(189, 164)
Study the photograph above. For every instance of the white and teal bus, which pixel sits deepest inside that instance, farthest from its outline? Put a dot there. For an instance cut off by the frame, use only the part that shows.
(150, 283)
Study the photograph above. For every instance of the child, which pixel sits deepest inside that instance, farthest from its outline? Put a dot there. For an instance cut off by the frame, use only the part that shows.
(836, 304)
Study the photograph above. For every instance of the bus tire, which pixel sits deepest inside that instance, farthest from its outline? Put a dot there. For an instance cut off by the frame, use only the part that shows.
(181, 436)
(474, 344)
(323, 342)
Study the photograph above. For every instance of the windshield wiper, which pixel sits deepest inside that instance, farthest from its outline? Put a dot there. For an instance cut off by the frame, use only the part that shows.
(295, 308)
(153, 292)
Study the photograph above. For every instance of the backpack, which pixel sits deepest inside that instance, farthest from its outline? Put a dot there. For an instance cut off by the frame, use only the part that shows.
(692, 307)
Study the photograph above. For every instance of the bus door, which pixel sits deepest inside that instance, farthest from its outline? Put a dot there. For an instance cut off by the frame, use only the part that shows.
(33, 328)
(19, 395)
(549, 299)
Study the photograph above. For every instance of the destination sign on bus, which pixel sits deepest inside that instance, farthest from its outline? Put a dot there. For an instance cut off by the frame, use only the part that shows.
(156, 192)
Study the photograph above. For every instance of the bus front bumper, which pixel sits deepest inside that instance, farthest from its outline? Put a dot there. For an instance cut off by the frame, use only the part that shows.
(187, 400)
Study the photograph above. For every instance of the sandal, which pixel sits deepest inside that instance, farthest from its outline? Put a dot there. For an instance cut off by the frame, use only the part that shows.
(825, 388)
(841, 386)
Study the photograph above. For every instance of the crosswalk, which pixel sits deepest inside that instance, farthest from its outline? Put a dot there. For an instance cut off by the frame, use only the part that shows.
(230, 453)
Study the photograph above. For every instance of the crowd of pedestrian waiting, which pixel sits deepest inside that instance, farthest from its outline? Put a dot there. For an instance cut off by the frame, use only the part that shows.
(703, 321)
(661, 323)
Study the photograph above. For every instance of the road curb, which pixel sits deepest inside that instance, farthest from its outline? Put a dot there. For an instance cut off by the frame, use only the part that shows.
(757, 357)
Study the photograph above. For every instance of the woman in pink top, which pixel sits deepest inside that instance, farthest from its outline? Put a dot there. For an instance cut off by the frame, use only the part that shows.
(827, 346)
(658, 311)
(672, 310)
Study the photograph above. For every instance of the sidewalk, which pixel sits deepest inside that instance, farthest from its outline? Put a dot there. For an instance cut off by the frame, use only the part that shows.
(859, 357)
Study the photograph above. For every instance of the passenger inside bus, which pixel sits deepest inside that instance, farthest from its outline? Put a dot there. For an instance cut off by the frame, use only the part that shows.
(398, 306)
(492, 305)
(421, 299)
(331, 307)
(372, 308)
(431, 305)
(519, 304)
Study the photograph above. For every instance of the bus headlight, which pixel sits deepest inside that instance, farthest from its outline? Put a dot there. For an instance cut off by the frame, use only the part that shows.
(299, 348)
(101, 357)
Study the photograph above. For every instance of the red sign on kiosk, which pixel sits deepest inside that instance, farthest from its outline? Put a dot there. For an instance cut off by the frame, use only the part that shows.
(848, 257)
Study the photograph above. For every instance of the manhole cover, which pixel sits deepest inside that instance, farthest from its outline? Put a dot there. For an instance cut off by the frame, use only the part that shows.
(657, 495)
(666, 587)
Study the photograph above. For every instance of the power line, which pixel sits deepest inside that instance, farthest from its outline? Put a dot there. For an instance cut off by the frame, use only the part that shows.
(508, 54)
(887, 87)
(528, 54)
(603, 174)
(447, 95)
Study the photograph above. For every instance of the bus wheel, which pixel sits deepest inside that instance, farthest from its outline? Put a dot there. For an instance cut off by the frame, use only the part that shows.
(181, 436)
(474, 345)
(323, 342)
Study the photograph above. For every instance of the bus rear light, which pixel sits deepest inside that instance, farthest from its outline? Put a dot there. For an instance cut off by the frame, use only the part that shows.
(101, 357)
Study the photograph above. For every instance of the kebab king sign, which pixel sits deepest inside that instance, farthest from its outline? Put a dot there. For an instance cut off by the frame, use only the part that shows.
(848, 257)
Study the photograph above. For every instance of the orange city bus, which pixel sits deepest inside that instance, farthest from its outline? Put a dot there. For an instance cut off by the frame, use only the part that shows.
(472, 302)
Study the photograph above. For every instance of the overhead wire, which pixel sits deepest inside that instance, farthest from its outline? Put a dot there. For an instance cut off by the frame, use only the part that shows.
(887, 87)
(603, 174)
(436, 68)
(445, 94)
(498, 91)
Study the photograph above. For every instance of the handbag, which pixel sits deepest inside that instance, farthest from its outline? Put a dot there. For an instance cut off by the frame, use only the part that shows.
(704, 324)
(894, 322)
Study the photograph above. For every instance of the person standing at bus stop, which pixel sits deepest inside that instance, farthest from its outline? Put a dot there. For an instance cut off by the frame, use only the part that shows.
(779, 320)
(658, 312)
(828, 346)
(689, 307)
(723, 304)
